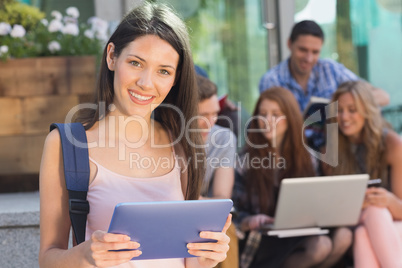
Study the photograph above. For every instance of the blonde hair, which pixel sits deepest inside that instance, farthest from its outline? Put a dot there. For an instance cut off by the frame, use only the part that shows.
(371, 133)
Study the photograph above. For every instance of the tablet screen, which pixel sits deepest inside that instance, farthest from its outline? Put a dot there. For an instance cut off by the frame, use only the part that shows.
(163, 229)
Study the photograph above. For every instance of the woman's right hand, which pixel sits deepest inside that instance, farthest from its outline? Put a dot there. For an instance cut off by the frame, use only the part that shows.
(99, 248)
(255, 222)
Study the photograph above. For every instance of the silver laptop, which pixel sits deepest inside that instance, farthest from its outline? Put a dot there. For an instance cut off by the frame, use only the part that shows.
(325, 201)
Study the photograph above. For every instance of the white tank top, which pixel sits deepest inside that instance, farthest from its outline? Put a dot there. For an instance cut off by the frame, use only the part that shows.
(109, 188)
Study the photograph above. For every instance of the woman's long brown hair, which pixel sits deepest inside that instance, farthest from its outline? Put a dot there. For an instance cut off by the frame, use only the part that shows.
(180, 105)
(298, 162)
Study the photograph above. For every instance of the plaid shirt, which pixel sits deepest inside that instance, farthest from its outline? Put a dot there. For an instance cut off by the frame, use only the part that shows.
(244, 209)
(324, 79)
(252, 244)
(246, 206)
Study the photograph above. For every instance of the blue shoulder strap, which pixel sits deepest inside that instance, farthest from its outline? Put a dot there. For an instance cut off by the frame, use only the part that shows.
(76, 173)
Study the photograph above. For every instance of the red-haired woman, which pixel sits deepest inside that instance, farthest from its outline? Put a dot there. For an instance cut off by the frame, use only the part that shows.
(275, 151)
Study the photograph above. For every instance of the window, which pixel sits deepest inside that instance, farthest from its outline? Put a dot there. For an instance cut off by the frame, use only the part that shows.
(229, 42)
(366, 36)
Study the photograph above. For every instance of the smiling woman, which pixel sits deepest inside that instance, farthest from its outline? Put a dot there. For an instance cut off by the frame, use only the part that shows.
(350, 116)
(275, 141)
(144, 74)
(146, 68)
(367, 145)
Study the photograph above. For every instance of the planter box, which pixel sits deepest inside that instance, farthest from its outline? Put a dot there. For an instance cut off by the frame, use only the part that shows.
(35, 92)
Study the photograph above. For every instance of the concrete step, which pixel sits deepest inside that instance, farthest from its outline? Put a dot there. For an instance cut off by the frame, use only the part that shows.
(19, 229)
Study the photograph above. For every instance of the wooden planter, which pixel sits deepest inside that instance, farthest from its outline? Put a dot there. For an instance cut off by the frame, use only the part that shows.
(35, 92)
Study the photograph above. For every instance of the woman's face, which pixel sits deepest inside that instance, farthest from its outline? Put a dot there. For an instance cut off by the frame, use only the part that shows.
(272, 121)
(144, 73)
(350, 121)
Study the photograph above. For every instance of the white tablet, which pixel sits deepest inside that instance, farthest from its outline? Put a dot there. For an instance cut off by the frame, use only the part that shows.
(163, 229)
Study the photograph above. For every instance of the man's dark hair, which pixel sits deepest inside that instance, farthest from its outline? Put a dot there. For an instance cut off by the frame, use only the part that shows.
(206, 88)
(306, 27)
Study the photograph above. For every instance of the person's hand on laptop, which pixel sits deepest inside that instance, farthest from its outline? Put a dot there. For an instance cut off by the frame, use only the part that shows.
(259, 220)
(377, 196)
(255, 222)
(210, 254)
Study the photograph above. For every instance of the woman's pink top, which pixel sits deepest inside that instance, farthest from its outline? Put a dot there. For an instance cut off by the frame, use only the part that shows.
(109, 188)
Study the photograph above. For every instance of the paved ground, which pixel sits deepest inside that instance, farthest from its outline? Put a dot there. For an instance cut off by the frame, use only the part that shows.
(19, 230)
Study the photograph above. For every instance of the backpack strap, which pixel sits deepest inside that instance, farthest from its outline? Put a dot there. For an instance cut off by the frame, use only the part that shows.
(76, 173)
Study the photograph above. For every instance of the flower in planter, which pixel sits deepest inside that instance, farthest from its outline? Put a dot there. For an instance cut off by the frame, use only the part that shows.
(57, 15)
(73, 12)
(3, 50)
(62, 36)
(18, 31)
(99, 28)
(71, 28)
(54, 46)
(5, 28)
(55, 26)
(44, 22)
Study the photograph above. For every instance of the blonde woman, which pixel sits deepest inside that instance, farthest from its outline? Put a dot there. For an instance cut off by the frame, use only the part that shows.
(367, 145)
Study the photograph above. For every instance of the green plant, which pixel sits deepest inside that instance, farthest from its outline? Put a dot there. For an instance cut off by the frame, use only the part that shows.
(22, 36)
(5, 2)
(22, 14)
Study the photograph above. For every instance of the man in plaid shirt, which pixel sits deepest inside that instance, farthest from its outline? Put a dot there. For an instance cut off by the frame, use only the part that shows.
(305, 74)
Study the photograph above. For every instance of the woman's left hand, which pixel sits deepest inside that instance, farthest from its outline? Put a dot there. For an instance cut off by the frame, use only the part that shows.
(377, 196)
(211, 253)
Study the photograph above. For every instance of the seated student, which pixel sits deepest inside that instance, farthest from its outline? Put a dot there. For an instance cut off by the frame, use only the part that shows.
(233, 116)
(366, 145)
(220, 147)
(305, 74)
(275, 142)
(230, 115)
(220, 143)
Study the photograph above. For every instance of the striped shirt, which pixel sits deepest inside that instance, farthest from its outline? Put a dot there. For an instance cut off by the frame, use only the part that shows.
(324, 79)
